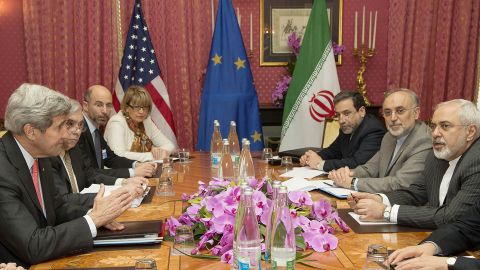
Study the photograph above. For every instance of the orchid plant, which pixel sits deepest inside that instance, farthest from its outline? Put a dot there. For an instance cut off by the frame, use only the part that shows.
(211, 214)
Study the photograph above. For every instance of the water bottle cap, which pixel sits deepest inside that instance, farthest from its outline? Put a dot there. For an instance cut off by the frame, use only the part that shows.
(246, 142)
(283, 189)
(226, 142)
(247, 191)
(216, 123)
(244, 139)
(232, 123)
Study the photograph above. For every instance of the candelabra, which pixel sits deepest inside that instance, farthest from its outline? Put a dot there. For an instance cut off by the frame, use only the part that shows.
(363, 53)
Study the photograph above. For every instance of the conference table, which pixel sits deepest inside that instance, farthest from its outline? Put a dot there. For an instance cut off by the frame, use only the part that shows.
(350, 253)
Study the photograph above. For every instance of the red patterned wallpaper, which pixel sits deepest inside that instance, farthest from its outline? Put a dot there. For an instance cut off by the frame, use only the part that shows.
(13, 68)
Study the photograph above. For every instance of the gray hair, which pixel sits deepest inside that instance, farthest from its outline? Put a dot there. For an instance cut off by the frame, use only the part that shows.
(75, 106)
(468, 113)
(36, 105)
(413, 95)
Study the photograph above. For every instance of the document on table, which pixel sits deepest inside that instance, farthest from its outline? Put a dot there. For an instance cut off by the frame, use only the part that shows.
(369, 223)
(94, 188)
(128, 241)
(303, 172)
(161, 160)
(301, 184)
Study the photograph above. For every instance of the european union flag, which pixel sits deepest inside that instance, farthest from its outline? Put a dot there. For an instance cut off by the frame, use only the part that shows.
(228, 92)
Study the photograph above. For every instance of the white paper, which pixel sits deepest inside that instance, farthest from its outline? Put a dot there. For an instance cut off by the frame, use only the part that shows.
(129, 241)
(301, 184)
(161, 160)
(369, 223)
(94, 188)
(303, 172)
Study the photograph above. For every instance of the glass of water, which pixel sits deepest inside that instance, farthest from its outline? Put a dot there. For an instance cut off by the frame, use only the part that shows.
(267, 154)
(183, 155)
(183, 241)
(287, 164)
(144, 264)
(377, 254)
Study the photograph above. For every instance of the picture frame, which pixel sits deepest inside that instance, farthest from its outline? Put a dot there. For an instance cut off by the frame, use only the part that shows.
(279, 18)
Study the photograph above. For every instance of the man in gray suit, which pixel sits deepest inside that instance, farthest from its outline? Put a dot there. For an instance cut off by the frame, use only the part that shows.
(37, 224)
(451, 178)
(400, 160)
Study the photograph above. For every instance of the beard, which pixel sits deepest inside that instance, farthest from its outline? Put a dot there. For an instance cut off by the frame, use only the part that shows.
(446, 153)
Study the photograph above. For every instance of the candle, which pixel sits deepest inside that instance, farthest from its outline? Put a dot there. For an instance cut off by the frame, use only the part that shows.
(370, 32)
(374, 31)
(239, 17)
(363, 27)
(213, 17)
(355, 36)
(251, 33)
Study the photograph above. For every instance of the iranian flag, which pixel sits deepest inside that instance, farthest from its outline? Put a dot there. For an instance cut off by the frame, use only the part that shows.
(309, 98)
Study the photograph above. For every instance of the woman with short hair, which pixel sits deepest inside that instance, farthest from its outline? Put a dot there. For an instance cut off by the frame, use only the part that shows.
(131, 133)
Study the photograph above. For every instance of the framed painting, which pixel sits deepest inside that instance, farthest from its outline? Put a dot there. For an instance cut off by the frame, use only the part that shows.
(280, 18)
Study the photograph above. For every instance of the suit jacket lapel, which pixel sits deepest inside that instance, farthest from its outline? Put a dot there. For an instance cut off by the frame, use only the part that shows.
(89, 137)
(75, 156)
(15, 155)
(390, 143)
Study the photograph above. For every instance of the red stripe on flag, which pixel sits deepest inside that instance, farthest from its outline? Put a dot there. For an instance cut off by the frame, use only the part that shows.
(115, 101)
(161, 105)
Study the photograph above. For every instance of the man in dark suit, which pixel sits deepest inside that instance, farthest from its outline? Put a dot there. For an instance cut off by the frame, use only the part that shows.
(359, 139)
(97, 106)
(450, 182)
(401, 158)
(447, 240)
(73, 171)
(36, 225)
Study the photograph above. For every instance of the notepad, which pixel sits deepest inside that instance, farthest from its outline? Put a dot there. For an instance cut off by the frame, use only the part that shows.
(301, 184)
(94, 188)
(369, 223)
(303, 172)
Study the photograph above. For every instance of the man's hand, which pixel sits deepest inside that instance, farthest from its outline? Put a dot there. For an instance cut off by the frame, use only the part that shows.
(425, 249)
(114, 226)
(159, 153)
(10, 266)
(370, 210)
(342, 177)
(135, 185)
(355, 197)
(106, 209)
(311, 159)
(145, 169)
(425, 262)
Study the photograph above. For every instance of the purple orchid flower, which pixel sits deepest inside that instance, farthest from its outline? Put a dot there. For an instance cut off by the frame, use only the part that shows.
(321, 209)
(320, 242)
(300, 198)
(172, 224)
(340, 222)
(215, 206)
(227, 257)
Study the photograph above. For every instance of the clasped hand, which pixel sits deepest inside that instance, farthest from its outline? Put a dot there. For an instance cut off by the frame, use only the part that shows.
(342, 177)
(368, 206)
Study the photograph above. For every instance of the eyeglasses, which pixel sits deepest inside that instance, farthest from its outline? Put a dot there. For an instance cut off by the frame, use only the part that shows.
(139, 108)
(397, 111)
(73, 126)
(445, 126)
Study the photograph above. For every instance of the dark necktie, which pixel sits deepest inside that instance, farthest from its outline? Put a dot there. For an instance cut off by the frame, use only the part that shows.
(98, 148)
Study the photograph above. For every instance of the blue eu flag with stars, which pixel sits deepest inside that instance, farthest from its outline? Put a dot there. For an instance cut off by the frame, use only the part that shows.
(228, 92)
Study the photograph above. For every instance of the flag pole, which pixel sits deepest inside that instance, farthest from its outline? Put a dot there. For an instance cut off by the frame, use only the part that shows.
(118, 16)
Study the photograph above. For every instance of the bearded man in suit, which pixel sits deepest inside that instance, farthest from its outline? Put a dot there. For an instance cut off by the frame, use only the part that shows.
(37, 224)
(450, 182)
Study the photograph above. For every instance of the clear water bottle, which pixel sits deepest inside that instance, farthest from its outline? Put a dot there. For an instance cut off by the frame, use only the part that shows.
(271, 219)
(246, 169)
(234, 146)
(377, 254)
(216, 145)
(283, 235)
(248, 237)
(225, 169)
(236, 227)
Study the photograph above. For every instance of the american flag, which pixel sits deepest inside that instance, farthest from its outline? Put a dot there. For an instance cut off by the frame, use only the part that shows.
(140, 67)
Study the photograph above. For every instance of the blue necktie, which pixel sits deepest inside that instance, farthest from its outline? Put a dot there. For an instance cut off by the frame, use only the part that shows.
(98, 148)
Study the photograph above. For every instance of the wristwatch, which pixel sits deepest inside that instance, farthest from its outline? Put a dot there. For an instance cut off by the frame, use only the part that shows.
(451, 262)
(386, 213)
(353, 184)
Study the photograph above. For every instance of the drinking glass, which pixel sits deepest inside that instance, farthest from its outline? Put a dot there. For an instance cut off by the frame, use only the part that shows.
(267, 154)
(144, 264)
(287, 163)
(183, 155)
(183, 242)
(377, 254)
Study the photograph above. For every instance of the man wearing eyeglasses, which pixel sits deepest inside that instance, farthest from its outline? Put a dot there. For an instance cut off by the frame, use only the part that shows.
(97, 107)
(450, 181)
(359, 138)
(72, 170)
(401, 158)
